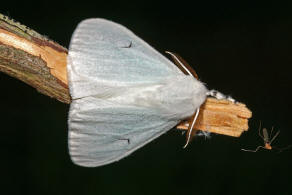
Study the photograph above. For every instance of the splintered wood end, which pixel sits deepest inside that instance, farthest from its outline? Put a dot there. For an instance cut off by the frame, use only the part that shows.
(221, 117)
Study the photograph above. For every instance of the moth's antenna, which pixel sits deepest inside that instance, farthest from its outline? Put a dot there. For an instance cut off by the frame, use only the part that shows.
(192, 126)
(183, 65)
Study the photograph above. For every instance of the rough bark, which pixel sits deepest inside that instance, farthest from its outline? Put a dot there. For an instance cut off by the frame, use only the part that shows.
(33, 59)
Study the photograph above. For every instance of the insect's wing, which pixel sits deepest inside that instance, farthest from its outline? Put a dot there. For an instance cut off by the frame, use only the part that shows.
(104, 55)
(124, 93)
(104, 134)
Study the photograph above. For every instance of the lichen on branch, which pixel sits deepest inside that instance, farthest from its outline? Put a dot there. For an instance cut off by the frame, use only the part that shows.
(33, 59)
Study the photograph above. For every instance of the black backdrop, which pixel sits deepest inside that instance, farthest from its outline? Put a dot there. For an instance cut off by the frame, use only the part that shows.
(240, 49)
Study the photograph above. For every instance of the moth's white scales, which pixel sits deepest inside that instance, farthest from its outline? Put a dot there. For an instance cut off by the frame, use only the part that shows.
(218, 95)
(124, 93)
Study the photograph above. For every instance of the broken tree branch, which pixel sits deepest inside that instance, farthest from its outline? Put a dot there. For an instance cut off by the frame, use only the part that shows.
(41, 63)
(221, 117)
(33, 59)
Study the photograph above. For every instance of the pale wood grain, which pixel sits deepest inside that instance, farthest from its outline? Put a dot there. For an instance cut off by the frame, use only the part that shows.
(221, 117)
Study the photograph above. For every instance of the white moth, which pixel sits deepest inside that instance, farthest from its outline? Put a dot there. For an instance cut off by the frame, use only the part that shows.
(124, 93)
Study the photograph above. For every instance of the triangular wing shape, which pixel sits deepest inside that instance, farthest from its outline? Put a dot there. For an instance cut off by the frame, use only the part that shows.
(104, 134)
(104, 55)
(124, 93)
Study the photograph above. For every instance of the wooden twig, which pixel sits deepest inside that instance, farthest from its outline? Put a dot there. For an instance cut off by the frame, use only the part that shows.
(221, 117)
(41, 63)
(33, 59)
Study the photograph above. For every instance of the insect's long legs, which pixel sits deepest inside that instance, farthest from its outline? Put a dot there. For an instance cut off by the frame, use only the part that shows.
(271, 133)
(260, 127)
(282, 149)
(253, 150)
(274, 137)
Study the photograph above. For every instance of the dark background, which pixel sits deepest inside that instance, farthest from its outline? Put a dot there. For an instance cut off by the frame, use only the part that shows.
(243, 50)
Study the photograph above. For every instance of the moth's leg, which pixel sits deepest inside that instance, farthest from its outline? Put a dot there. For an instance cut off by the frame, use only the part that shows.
(206, 134)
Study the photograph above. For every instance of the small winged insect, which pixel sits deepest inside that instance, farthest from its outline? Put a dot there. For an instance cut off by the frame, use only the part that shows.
(124, 93)
(268, 139)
